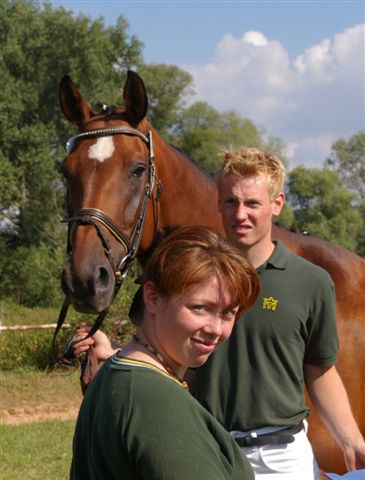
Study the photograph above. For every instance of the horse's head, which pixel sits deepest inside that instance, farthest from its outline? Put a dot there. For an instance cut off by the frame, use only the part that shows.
(110, 176)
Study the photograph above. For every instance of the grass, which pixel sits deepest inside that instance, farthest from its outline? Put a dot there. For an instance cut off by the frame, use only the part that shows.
(27, 388)
(42, 449)
(36, 451)
(15, 314)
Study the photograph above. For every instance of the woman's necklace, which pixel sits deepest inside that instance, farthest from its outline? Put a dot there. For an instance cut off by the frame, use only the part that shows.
(161, 359)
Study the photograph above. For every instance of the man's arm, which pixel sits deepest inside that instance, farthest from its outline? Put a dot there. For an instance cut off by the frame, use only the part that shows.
(331, 402)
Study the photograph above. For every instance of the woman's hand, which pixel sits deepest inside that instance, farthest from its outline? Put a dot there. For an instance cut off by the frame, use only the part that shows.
(99, 341)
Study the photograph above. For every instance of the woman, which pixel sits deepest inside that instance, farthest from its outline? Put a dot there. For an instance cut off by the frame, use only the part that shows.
(138, 420)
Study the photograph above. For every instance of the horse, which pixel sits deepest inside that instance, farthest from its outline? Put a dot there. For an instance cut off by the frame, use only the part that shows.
(128, 188)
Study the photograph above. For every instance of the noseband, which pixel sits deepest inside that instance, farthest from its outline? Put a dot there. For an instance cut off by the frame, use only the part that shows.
(98, 219)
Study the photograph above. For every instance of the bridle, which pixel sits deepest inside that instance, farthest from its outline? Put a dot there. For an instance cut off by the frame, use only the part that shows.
(100, 220)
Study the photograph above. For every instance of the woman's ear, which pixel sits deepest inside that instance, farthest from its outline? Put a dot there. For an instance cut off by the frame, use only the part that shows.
(150, 297)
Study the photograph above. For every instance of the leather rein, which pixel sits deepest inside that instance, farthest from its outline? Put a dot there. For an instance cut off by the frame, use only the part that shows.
(100, 221)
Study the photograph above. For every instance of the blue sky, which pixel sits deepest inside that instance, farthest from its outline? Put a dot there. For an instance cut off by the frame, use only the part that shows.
(297, 68)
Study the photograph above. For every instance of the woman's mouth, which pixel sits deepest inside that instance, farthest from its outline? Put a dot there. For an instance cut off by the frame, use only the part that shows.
(204, 346)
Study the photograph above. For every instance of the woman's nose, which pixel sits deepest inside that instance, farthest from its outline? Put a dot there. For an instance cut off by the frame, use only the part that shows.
(215, 326)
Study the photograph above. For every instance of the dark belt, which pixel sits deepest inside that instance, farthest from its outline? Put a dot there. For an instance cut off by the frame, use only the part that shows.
(275, 438)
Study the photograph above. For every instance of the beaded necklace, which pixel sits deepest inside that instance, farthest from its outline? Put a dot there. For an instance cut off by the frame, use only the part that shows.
(161, 359)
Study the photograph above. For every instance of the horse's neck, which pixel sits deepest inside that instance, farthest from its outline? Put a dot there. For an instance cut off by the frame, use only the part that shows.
(189, 195)
(339, 262)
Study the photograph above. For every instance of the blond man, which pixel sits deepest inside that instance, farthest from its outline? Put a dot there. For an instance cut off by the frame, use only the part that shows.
(254, 384)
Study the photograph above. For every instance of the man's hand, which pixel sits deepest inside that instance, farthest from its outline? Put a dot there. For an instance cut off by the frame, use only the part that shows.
(354, 454)
(330, 399)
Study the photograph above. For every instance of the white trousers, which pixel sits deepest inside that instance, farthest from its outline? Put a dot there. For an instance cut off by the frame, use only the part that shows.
(289, 461)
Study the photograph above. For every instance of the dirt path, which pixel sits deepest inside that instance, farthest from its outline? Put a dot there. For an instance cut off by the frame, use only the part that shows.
(42, 412)
(33, 396)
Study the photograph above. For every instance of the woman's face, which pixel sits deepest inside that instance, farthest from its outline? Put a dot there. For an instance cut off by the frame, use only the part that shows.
(188, 327)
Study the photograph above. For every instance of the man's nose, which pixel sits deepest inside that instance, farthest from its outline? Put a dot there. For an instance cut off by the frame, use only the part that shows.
(241, 211)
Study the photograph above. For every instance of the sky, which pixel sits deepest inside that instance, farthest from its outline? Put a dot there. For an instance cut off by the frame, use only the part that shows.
(296, 68)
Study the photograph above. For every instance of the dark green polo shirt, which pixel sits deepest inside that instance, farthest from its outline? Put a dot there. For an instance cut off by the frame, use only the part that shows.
(255, 378)
(136, 423)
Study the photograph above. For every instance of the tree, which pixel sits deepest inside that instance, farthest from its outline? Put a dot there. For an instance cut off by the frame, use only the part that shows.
(322, 206)
(202, 132)
(39, 46)
(167, 88)
(348, 159)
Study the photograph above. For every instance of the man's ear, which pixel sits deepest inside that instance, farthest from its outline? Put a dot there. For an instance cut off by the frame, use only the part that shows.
(277, 204)
(150, 296)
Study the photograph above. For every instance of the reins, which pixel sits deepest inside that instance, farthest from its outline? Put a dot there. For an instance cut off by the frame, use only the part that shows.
(99, 220)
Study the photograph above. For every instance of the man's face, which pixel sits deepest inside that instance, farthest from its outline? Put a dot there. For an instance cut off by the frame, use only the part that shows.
(247, 210)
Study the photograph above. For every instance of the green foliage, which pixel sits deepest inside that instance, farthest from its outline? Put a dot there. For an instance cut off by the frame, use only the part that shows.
(323, 206)
(39, 46)
(348, 159)
(202, 132)
(167, 87)
(31, 275)
(32, 348)
(29, 349)
(45, 448)
(286, 217)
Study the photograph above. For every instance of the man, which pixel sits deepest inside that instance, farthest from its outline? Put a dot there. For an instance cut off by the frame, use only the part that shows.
(254, 383)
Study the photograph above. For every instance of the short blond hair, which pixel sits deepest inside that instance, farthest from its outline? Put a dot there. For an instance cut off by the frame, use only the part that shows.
(252, 162)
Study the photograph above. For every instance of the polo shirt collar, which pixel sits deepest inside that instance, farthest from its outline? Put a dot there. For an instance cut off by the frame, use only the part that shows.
(278, 259)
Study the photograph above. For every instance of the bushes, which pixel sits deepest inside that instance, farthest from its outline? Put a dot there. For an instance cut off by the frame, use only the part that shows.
(28, 349)
(31, 275)
(32, 348)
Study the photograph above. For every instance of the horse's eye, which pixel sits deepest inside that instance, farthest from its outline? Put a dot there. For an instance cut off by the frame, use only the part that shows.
(139, 170)
(62, 169)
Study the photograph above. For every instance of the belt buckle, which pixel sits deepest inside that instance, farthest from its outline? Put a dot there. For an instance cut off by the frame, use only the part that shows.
(249, 439)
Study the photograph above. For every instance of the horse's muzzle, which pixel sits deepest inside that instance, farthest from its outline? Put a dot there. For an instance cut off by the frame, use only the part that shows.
(91, 291)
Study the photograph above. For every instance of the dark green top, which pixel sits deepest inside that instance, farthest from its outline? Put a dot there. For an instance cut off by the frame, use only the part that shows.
(137, 423)
(255, 378)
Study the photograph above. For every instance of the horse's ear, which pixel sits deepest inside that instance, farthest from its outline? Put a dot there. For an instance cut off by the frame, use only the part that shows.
(73, 105)
(135, 97)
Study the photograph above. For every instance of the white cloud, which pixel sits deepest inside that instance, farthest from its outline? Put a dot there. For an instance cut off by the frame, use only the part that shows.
(309, 151)
(255, 38)
(308, 101)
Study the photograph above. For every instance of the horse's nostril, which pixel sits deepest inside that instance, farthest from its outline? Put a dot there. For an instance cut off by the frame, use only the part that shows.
(103, 279)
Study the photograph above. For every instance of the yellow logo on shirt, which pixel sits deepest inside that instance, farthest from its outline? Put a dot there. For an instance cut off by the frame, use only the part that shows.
(270, 303)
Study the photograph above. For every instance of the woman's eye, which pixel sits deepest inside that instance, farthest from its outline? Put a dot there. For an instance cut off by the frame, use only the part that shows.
(230, 314)
(138, 171)
(198, 308)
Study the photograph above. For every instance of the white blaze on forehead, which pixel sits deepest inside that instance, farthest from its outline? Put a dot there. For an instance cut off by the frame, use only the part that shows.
(102, 149)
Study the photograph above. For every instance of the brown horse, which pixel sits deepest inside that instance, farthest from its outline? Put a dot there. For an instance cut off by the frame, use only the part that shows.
(128, 188)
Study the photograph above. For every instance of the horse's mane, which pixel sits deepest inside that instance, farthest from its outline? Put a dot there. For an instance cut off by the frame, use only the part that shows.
(201, 167)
